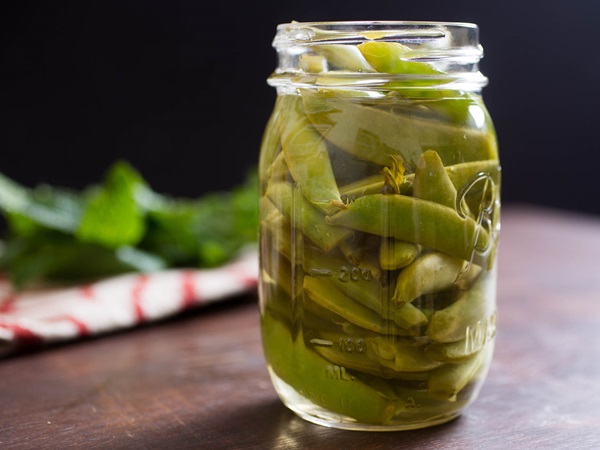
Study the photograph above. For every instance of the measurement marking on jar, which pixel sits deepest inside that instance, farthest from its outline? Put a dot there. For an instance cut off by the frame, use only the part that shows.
(411, 403)
(478, 334)
(350, 345)
(344, 274)
(322, 342)
(355, 274)
(320, 272)
(335, 372)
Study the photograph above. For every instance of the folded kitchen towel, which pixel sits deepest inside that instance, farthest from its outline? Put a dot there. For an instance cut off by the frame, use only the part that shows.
(35, 318)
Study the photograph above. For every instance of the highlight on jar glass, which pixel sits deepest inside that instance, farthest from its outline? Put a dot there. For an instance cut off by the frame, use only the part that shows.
(379, 223)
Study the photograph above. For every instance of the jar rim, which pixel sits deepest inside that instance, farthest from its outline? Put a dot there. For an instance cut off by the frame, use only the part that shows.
(385, 23)
(298, 33)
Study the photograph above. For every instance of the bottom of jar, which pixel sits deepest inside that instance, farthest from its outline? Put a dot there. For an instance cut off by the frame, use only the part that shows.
(307, 410)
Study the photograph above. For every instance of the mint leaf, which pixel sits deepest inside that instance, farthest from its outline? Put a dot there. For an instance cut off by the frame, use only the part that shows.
(112, 216)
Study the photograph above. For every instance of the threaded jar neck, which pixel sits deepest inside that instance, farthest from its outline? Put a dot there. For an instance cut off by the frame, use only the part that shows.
(373, 53)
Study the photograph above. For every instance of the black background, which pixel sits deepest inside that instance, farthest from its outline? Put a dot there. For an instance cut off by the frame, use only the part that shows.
(178, 88)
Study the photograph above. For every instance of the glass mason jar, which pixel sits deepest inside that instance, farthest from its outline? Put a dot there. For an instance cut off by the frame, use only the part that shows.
(379, 223)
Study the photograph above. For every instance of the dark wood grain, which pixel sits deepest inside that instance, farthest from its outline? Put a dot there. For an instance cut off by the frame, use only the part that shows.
(199, 381)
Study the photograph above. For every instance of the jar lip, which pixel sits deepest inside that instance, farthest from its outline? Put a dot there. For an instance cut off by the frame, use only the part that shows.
(298, 33)
(376, 23)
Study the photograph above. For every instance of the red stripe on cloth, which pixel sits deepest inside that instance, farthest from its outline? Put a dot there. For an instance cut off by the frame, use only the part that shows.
(136, 297)
(7, 304)
(24, 337)
(87, 292)
(82, 328)
(241, 274)
(190, 295)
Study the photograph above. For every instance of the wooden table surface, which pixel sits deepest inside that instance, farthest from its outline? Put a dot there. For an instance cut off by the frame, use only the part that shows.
(198, 380)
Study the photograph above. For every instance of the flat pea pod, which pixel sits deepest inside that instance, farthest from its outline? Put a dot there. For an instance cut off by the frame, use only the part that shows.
(448, 381)
(313, 63)
(430, 273)
(359, 251)
(327, 295)
(414, 220)
(344, 57)
(402, 358)
(394, 58)
(304, 216)
(453, 352)
(432, 182)
(472, 314)
(374, 297)
(271, 139)
(396, 254)
(460, 175)
(307, 158)
(365, 355)
(373, 134)
(310, 375)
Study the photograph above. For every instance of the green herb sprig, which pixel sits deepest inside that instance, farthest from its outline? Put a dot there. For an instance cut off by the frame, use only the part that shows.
(56, 235)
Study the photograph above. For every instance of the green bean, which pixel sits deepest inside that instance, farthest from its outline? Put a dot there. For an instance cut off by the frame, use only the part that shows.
(304, 216)
(418, 221)
(330, 297)
(373, 134)
(433, 272)
(432, 181)
(315, 378)
(307, 158)
(396, 254)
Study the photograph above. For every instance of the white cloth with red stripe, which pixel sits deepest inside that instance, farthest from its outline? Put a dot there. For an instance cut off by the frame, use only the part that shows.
(34, 318)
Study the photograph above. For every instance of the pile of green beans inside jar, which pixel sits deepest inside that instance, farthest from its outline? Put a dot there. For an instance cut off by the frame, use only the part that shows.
(379, 223)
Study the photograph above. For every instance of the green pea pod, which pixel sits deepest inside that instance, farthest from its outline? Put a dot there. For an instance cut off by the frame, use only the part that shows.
(360, 251)
(373, 355)
(313, 63)
(402, 358)
(317, 379)
(396, 254)
(471, 317)
(307, 158)
(460, 174)
(433, 272)
(449, 380)
(414, 220)
(344, 57)
(304, 216)
(393, 58)
(271, 139)
(373, 134)
(374, 297)
(325, 294)
(453, 352)
(432, 181)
